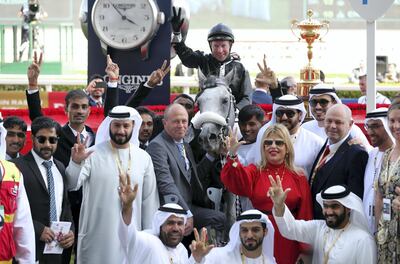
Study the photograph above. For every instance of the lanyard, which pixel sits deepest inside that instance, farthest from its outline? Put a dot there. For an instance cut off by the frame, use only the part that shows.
(326, 253)
(119, 162)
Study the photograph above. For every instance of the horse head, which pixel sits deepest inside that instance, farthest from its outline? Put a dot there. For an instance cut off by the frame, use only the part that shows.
(216, 111)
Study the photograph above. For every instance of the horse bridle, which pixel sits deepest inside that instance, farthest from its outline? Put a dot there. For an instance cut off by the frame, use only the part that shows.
(232, 102)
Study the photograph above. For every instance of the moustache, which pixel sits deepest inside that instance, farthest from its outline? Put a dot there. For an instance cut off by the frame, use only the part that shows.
(16, 144)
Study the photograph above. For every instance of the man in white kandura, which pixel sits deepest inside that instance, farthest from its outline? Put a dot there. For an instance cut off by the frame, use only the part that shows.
(159, 245)
(251, 240)
(116, 153)
(322, 97)
(289, 111)
(343, 237)
(376, 125)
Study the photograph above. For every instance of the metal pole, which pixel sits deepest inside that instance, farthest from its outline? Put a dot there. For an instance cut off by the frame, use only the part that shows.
(15, 44)
(371, 66)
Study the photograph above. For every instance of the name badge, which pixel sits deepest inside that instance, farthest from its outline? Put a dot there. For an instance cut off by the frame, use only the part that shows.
(387, 209)
(1, 216)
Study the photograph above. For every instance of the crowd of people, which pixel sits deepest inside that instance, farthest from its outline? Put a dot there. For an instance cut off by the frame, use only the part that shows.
(136, 191)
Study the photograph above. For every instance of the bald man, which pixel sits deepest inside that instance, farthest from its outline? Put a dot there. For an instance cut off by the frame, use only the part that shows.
(338, 162)
(179, 178)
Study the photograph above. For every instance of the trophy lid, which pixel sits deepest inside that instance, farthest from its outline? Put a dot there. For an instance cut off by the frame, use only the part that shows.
(311, 22)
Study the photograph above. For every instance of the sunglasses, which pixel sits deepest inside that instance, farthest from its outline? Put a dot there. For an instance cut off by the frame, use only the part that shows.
(372, 127)
(278, 142)
(43, 139)
(289, 113)
(321, 102)
(13, 134)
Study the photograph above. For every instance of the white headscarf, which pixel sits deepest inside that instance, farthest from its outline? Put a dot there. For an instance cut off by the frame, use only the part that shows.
(288, 102)
(380, 114)
(3, 134)
(323, 88)
(163, 213)
(268, 241)
(349, 200)
(120, 112)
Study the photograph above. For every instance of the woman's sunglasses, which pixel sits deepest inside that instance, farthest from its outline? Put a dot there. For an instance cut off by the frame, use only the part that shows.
(278, 142)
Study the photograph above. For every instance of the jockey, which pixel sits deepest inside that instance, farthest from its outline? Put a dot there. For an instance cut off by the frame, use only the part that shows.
(219, 63)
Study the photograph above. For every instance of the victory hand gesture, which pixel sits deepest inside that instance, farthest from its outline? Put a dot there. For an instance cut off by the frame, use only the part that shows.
(199, 246)
(158, 75)
(176, 20)
(112, 70)
(269, 76)
(231, 142)
(127, 194)
(34, 71)
(277, 195)
(78, 151)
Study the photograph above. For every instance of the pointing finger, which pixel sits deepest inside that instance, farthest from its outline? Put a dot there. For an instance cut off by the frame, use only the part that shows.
(164, 65)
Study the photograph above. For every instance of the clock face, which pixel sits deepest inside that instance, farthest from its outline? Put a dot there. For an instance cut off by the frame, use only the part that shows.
(124, 24)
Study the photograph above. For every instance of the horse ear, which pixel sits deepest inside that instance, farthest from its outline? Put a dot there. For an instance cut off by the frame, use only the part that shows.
(229, 77)
(202, 78)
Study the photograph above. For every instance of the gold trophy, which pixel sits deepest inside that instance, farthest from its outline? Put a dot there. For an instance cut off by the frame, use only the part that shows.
(310, 30)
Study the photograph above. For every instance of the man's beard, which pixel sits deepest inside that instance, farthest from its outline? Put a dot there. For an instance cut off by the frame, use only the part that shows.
(339, 220)
(254, 246)
(120, 141)
(164, 237)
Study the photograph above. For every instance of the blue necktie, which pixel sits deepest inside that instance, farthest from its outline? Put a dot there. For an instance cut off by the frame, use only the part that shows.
(181, 149)
(50, 187)
(82, 137)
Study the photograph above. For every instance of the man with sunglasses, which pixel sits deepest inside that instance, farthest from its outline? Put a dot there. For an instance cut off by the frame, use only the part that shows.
(44, 180)
(322, 97)
(289, 111)
(376, 125)
(16, 136)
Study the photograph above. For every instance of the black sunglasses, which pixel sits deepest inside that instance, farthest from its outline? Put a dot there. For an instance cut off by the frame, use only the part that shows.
(277, 142)
(13, 134)
(42, 139)
(289, 113)
(321, 102)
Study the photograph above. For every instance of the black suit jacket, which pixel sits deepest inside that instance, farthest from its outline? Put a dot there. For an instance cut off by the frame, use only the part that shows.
(39, 202)
(347, 166)
(112, 97)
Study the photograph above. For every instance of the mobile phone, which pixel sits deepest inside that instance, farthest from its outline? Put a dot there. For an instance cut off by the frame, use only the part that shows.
(100, 85)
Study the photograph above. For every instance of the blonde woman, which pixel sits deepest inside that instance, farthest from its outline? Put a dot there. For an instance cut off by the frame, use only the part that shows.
(252, 181)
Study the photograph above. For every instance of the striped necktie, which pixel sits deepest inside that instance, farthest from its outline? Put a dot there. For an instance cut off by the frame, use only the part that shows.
(50, 186)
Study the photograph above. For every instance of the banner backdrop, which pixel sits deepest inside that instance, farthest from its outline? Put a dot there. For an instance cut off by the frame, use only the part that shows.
(133, 69)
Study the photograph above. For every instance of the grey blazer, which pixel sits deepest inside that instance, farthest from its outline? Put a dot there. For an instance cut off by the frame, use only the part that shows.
(172, 177)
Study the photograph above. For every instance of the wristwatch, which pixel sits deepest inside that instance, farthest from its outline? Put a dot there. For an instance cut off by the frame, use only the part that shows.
(126, 25)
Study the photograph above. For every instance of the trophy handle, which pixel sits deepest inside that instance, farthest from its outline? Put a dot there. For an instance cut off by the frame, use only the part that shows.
(292, 26)
(325, 24)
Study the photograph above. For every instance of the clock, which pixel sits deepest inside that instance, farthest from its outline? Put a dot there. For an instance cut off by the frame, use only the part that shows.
(126, 24)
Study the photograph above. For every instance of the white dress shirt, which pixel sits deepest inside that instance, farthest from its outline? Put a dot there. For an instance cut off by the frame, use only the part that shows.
(58, 181)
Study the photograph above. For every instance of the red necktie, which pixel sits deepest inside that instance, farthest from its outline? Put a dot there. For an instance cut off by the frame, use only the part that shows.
(323, 157)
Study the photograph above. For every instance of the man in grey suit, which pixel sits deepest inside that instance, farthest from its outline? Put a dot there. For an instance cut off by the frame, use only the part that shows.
(179, 179)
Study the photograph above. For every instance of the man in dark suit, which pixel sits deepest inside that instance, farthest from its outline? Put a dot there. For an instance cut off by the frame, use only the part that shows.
(179, 179)
(338, 162)
(44, 180)
(261, 94)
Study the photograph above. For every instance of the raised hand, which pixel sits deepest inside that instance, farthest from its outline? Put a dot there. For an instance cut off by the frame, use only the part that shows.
(277, 195)
(176, 20)
(269, 76)
(199, 246)
(78, 151)
(34, 71)
(127, 194)
(112, 70)
(158, 75)
(231, 142)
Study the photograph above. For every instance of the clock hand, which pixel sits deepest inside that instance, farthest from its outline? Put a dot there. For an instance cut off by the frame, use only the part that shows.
(131, 21)
(118, 11)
